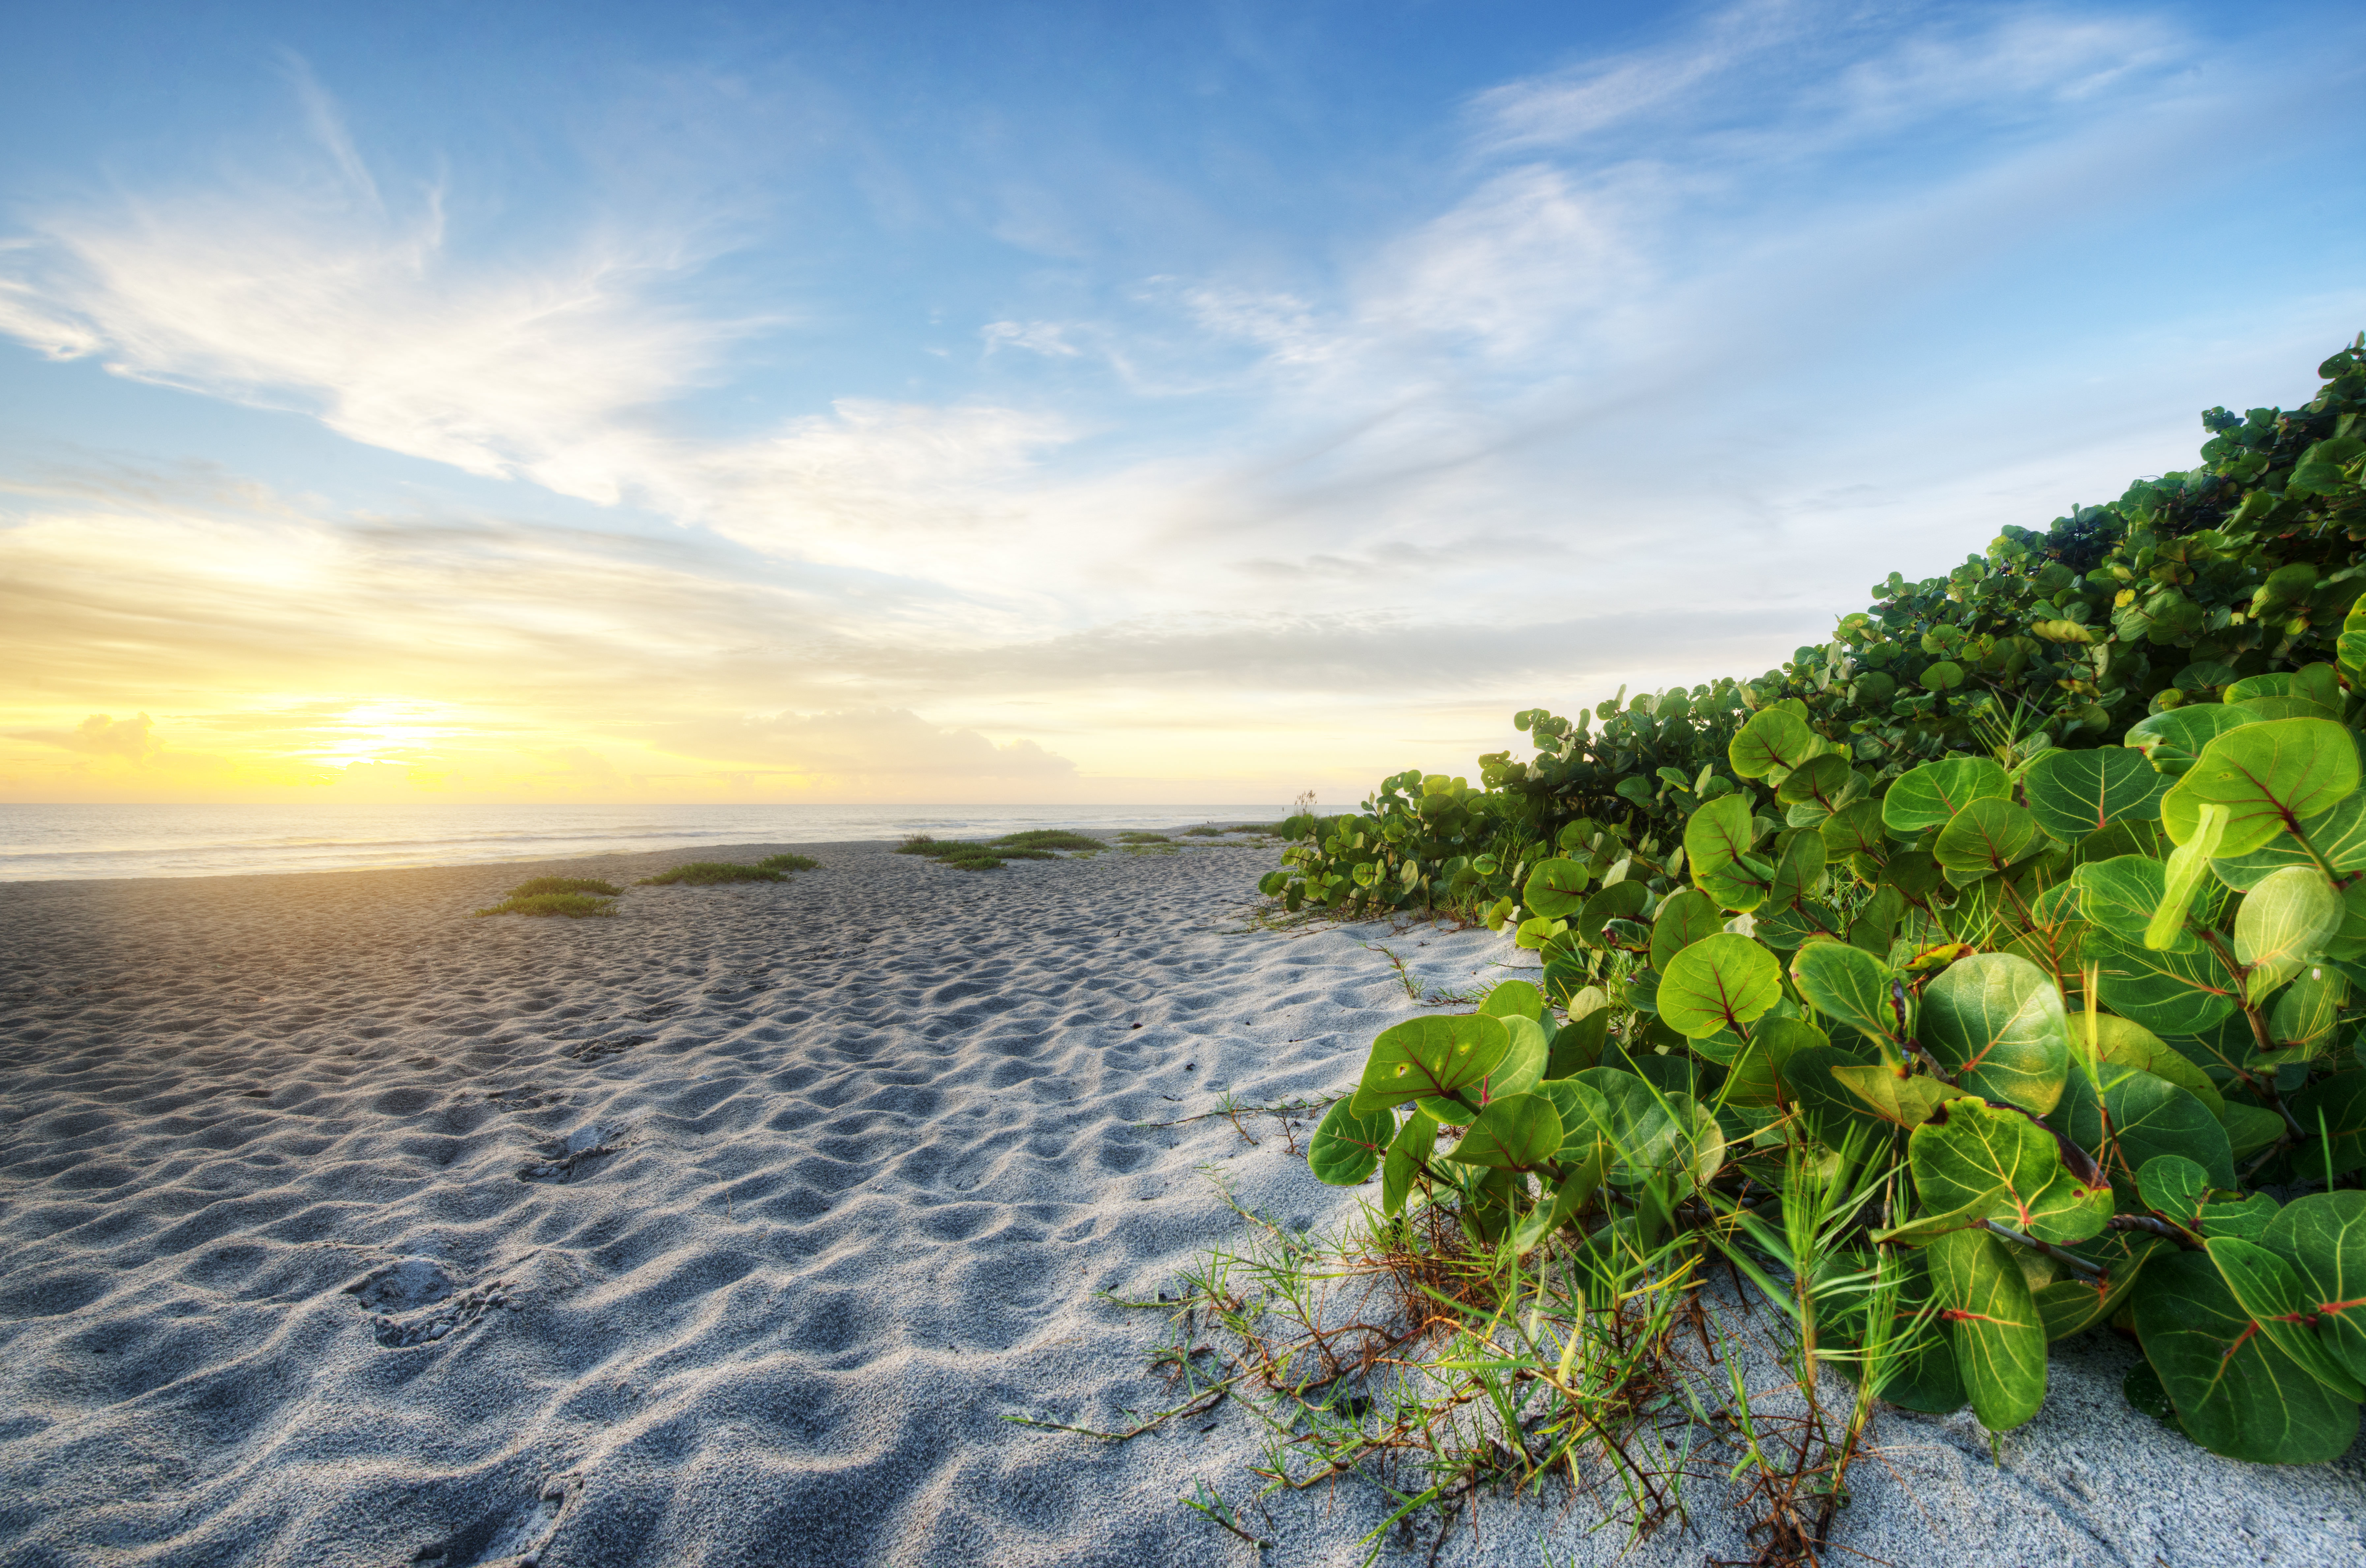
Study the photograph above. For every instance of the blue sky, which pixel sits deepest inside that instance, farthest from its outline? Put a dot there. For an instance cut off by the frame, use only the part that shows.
(1144, 402)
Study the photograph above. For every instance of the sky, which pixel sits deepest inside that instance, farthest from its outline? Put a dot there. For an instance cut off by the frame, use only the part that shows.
(1030, 403)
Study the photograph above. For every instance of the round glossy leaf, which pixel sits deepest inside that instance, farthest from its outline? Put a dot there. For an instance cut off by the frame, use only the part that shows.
(1523, 1066)
(2339, 835)
(1848, 985)
(2323, 1237)
(1985, 838)
(2169, 993)
(1517, 1134)
(1944, 676)
(2122, 894)
(1404, 1160)
(1827, 782)
(1998, 1336)
(1995, 1021)
(2073, 794)
(1577, 1045)
(1975, 1162)
(1581, 1113)
(1555, 889)
(1934, 792)
(2268, 776)
(1726, 981)
(1346, 1146)
(1620, 901)
(2236, 1393)
(2144, 1117)
(1774, 738)
(1718, 835)
(2267, 1288)
(1430, 1056)
(1513, 998)
(1682, 919)
(2175, 739)
(2284, 922)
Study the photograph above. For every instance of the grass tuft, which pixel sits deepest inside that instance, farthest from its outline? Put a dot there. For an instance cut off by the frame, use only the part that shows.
(541, 884)
(1206, 832)
(789, 862)
(711, 873)
(1050, 838)
(1134, 837)
(575, 905)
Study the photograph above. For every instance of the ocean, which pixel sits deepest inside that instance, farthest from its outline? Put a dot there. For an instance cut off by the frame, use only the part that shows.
(76, 842)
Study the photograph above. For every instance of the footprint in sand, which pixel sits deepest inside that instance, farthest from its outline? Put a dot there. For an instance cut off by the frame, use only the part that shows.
(562, 1159)
(416, 1301)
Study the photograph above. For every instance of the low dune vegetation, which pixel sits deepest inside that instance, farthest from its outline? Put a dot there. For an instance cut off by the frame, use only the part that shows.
(1987, 974)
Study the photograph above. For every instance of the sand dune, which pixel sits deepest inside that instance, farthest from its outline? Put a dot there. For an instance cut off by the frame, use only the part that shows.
(337, 1227)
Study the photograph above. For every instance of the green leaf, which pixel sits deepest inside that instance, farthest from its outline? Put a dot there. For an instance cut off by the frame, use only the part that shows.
(1620, 901)
(1523, 1067)
(1944, 676)
(1406, 1155)
(1754, 1075)
(1584, 1115)
(1975, 1162)
(2339, 835)
(1430, 1056)
(1849, 985)
(2175, 1188)
(1853, 829)
(2169, 993)
(1798, 872)
(1567, 1198)
(2323, 1238)
(2122, 893)
(2073, 794)
(2270, 1290)
(1933, 793)
(1513, 998)
(1517, 1134)
(1652, 1132)
(2000, 1339)
(2236, 1392)
(2142, 1118)
(1825, 782)
(2175, 739)
(1724, 981)
(1995, 1021)
(2183, 876)
(2069, 1303)
(2250, 1128)
(1578, 1043)
(1895, 1096)
(1774, 738)
(1555, 889)
(2313, 691)
(1682, 920)
(1717, 836)
(2283, 924)
(1346, 1146)
(2271, 777)
(1984, 839)
(2301, 1027)
(2130, 1043)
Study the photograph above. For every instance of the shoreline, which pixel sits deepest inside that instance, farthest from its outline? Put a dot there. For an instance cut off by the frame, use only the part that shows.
(338, 1227)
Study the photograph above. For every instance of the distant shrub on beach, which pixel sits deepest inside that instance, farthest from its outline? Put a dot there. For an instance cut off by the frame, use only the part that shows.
(1051, 838)
(541, 884)
(575, 905)
(1136, 837)
(1208, 831)
(712, 873)
(789, 862)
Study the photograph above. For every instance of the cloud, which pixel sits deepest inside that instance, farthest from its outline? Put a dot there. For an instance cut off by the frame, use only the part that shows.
(866, 746)
(102, 735)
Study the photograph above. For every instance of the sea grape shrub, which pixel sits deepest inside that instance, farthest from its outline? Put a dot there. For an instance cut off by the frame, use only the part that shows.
(2189, 583)
(2090, 1007)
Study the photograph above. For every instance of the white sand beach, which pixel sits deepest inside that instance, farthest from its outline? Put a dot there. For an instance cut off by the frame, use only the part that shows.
(337, 1227)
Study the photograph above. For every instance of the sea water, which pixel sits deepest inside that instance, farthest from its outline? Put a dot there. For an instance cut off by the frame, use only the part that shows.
(81, 841)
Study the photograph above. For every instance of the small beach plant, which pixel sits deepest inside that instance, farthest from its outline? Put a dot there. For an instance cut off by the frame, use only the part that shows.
(789, 862)
(574, 905)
